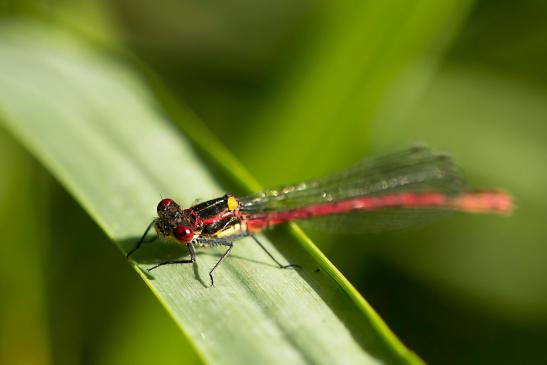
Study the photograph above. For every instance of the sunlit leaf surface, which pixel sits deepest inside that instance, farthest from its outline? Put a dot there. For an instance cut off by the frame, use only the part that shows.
(96, 127)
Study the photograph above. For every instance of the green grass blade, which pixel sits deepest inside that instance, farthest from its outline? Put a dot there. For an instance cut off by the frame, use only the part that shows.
(356, 53)
(95, 126)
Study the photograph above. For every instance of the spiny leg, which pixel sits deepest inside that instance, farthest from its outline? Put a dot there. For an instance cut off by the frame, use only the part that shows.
(218, 263)
(217, 242)
(191, 260)
(281, 266)
(142, 239)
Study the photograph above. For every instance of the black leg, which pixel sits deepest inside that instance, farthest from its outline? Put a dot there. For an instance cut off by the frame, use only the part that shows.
(142, 239)
(217, 242)
(296, 266)
(151, 239)
(230, 246)
(191, 260)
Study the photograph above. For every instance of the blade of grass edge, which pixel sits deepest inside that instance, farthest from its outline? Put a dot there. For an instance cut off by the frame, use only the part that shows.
(208, 142)
(104, 222)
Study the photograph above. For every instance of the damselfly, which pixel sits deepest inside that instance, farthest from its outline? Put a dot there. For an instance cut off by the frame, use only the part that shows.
(392, 191)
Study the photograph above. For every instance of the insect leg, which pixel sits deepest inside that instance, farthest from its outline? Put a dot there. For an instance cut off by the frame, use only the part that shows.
(191, 260)
(281, 266)
(142, 239)
(217, 242)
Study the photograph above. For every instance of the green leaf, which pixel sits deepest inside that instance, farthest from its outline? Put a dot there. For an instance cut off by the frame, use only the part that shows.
(356, 53)
(96, 126)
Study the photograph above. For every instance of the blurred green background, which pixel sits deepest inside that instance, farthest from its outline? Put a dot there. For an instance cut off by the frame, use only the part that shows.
(296, 89)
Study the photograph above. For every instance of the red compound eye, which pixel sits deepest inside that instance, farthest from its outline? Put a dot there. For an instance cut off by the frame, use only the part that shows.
(183, 234)
(164, 204)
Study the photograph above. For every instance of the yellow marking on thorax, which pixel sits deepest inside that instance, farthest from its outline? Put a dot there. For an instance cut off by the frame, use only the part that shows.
(232, 203)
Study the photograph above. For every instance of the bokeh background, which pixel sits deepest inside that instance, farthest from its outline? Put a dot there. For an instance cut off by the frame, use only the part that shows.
(296, 89)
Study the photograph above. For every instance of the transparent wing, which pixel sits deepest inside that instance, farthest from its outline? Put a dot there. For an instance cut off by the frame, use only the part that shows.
(376, 220)
(414, 170)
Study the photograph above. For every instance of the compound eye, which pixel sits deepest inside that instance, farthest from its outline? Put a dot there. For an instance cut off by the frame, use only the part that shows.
(164, 204)
(183, 234)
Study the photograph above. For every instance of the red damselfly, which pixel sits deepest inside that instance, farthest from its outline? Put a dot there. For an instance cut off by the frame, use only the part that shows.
(392, 191)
